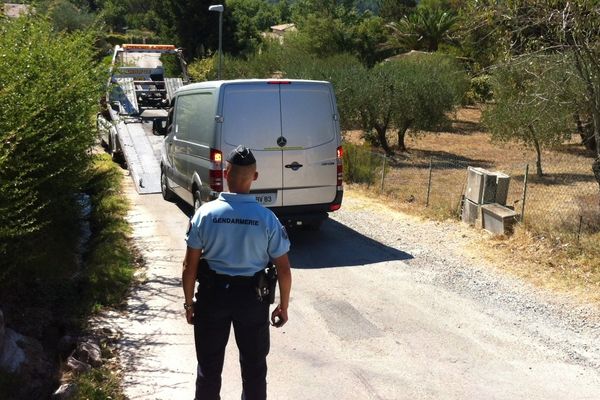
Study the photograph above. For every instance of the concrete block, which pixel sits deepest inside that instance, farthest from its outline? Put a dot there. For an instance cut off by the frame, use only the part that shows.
(470, 212)
(497, 219)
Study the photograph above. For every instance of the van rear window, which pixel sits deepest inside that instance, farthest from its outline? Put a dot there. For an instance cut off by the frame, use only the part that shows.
(258, 114)
(251, 115)
(307, 115)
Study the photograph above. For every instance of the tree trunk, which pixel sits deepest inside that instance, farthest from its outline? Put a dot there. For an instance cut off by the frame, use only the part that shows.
(381, 130)
(596, 119)
(586, 132)
(595, 96)
(402, 134)
(596, 169)
(596, 163)
(538, 153)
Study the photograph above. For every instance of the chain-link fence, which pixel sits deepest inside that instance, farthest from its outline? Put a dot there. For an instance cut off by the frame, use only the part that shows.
(565, 200)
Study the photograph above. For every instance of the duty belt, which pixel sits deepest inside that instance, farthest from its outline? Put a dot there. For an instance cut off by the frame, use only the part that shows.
(234, 280)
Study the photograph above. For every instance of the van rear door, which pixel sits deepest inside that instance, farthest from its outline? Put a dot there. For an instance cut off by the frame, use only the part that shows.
(251, 117)
(310, 128)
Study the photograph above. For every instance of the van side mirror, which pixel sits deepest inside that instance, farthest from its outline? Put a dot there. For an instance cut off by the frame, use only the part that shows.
(115, 105)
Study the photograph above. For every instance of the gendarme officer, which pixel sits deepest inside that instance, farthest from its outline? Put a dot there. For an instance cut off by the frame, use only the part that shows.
(230, 241)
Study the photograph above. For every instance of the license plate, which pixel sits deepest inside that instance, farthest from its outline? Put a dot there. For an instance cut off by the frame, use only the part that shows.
(266, 199)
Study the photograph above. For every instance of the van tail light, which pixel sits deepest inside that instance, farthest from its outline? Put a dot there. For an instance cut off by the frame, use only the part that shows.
(215, 174)
(340, 167)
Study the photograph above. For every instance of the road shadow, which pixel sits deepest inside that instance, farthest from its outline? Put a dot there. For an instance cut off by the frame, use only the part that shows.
(166, 288)
(420, 159)
(336, 245)
(557, 179)
(184, 207)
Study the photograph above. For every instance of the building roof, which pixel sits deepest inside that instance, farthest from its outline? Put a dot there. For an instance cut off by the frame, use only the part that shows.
(412, 53)
(283, 27)
(16, 10)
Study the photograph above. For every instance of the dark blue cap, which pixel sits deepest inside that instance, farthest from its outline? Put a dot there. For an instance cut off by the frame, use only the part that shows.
(242, 156)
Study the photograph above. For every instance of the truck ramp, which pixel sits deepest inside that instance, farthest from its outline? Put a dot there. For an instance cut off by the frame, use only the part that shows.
(141, 150)
(136, 106)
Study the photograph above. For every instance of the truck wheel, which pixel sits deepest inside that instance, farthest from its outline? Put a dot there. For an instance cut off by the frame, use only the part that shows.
(118, 157)
(103, 142)
(197, 201)
(109, 145)
(165, 190)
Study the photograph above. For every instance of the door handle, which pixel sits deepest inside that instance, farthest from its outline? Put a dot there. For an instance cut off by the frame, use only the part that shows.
(294, 166)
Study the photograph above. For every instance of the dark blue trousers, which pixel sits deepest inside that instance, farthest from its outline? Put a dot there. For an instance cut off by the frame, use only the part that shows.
(216, 310)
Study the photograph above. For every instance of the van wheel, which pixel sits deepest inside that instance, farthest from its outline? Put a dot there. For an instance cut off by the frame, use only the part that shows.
(165, 190)
(197, 201)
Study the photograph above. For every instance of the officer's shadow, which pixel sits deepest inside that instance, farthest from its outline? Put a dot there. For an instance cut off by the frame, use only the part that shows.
(336, 245)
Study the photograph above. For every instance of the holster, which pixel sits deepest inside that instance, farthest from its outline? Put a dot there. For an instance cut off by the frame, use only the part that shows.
(266, 283)
(205, 276)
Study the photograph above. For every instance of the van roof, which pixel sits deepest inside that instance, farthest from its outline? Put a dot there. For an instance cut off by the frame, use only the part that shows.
(217, 84)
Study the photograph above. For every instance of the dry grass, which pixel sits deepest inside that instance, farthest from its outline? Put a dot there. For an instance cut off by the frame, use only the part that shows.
(558, 244)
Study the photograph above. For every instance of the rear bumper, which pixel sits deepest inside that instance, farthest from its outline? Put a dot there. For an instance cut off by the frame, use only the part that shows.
(307, 214)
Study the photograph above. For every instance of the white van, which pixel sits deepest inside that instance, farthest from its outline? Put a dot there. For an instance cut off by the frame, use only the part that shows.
(291, 126)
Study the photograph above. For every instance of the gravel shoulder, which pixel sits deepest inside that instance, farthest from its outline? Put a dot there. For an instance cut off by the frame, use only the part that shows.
(449, 254)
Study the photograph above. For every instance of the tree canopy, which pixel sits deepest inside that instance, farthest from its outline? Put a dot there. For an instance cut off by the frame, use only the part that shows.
(532, 104)
(482, 35)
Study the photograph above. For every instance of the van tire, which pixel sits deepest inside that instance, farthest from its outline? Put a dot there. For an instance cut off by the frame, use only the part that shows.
(118, 157)
(165, 190)
(197, 201)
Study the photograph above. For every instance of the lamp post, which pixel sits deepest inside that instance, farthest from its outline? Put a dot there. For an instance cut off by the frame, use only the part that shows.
(219, 8)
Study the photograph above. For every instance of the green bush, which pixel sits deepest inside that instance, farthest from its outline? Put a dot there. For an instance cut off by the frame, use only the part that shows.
(274, 60)
(48, 94)
(480, 90)
(361, 164)
(204, 69)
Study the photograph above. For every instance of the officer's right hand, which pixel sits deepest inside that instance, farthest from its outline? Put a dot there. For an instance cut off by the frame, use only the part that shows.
(279, 317)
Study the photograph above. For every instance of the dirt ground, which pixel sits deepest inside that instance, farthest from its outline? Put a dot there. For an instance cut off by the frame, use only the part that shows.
(466, 138)
(551, 260)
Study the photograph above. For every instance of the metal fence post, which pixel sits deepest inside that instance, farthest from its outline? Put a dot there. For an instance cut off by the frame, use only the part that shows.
(429, 183)
(524, 192)
(383, 172)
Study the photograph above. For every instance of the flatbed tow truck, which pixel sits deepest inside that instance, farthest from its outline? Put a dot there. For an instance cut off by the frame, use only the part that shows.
(132, 122)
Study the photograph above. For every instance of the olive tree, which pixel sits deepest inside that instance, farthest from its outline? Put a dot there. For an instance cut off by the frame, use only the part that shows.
(409, 95)
(578, 25)
(427, 87)
(532, 104)
(570, 29)
(371, 100)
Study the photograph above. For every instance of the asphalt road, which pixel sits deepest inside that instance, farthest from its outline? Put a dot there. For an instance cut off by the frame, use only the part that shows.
(380, 309)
